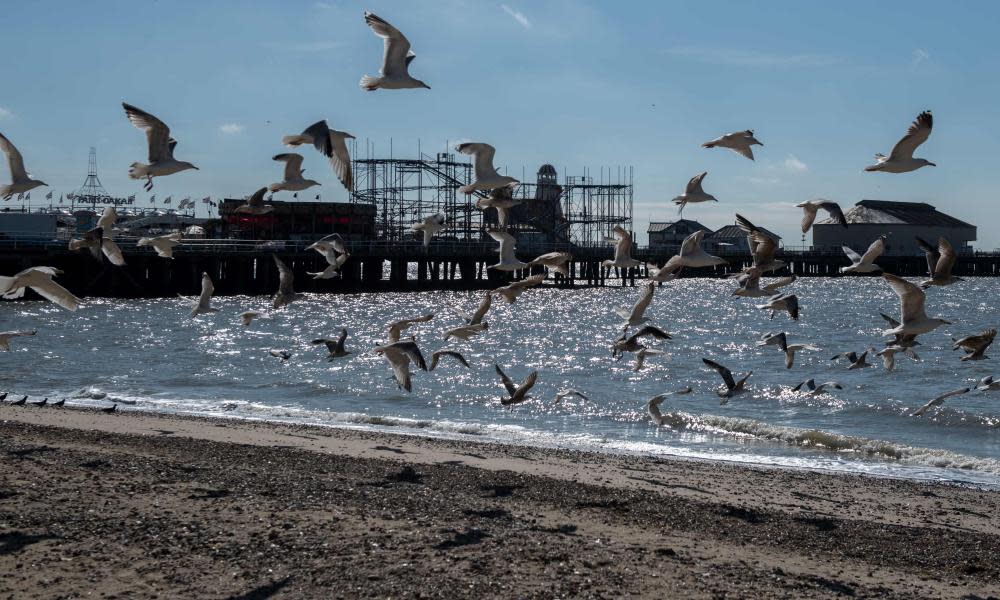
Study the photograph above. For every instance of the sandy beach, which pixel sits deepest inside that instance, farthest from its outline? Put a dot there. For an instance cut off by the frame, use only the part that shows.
(136, 505)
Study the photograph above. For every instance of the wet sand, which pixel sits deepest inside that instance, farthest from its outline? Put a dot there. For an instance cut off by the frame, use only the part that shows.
(136, 505)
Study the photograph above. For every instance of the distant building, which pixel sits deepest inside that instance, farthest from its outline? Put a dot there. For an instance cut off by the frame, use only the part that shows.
(900, 221)
(672, 233)
(733, 239)
(299, 220)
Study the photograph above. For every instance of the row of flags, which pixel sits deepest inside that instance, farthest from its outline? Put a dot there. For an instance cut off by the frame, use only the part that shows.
(184, 203)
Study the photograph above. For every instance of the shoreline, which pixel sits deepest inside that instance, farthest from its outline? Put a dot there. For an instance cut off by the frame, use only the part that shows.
(148, 505)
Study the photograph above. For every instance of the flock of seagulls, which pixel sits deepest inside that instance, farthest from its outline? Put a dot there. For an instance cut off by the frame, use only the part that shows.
(403, 353)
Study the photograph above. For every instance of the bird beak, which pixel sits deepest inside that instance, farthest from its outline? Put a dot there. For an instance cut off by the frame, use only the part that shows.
(427, 86)
(932, 164)
(946, 322)
(195, 168)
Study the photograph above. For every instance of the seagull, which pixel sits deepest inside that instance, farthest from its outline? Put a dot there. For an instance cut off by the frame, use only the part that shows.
(566, 393)
(396, 328)
(457, 356)
(857, 362)
(938, 401)
(815, 390)
(783, 302)
(464, 332)
(637, 316)
(733, 387)
(204, 304)
(255, 204)
(911, 300)
(905, 340)
(514, 290)
(286, 281)
(163, 244)
(501, 199)
(661, 275)
(41, 402)
(477, 317)
(739, 142)
(430, 226)
(780, 340)
(20, 181)
(59, 404)
(986, 384)
(335, 347)
(940, 262)
(866, 263)
(331, 144)
(631, 343)
(99, 239)
(901, 160)
(888, 355)
(39, 279)
(6, 335)
(810, 207)
(110, 410)
(161, 148)
(623, 250)
(487, 177)
(333, 261)
(517, 393)
(508, 261)
(750, 285)
(762, 246)
(20, 402)
(293, 181)
(400, 355)
(247, 317)
(396, 59)
(640, 357)
(554, 261)
(974, 345)
(694, 193)
(692, 255)
(282, 354)
(653, 404)
(330, 242)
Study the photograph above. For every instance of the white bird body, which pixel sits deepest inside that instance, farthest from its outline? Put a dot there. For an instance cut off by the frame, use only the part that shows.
(514, 290)
(623, 250)
(396, 328)
(430, 227)
(913, 319)
(810, 207)
(396, 59)
(653, 405)
(750, 285)
(255, 204)
(247, 317)
(637, 316)
(888, 355)
(163, 245)
(783, 302)
(693, 193)
(566, 393)
(20, 181)
(901, 160)
(293, 180)
(661, 275)
(865, 263)
(486, 174)
(554, 261)
(400, 355)
(39, 279)
(517, 393)
(692, 254)
(160, 147)
(500, 198)
(286, 286)
(331, 144)
(334, 262)
(464, 332)
(204, 303)
(481, 310)
(739, 142)
(508, 261)
(940, 262)
(938, 401)
(335, 348)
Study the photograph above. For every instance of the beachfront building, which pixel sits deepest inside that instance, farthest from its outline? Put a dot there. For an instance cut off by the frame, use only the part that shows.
(902, 222)
(672, 233)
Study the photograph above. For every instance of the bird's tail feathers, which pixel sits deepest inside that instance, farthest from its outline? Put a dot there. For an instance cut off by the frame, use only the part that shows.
(466, 189)
(369, 83)
(137, 171)
(296, 140)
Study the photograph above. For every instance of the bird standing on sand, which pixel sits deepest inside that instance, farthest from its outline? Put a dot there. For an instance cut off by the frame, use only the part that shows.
(396, 59)
(161, 148)
(940, 262)
(901, 160)
(5, 337)
(293, 180)
(255, 204)
(20, 181)
(163, 244)
(693, 193)
(865, 263)
(739, 142)
(20, 402)
(331, 144)
(335, 348)
(487, 177)
(810, 207)
(911, 306)
(430, 226)
(204, 303)
(733, 387)
(39, 279)
(623, 250)
(516, 393)
(286, 285)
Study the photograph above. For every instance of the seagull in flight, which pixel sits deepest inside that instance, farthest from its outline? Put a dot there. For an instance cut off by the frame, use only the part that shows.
(815, 390)
(293, 180)
(39, 279)
(502, 199)
(733, 387)
(477, 317)
(163, 244)
(451, 353)
(334, 347)
(255, 204)
(976, 345)
(623, 250)
(430, 226)
(889, 353)
(508, 261)
(331, 248)
(396, 328)
(282, 354)
(487, 177)
(20, 181)
(750, 285)
(911, 302)
(986, 384)
(740, 142)
(396, 59)
(901, 160)
(631, 343)
(554, 261)
(5, 337)
(940, 262)
(653, 404)
(641, 355)
(810, 207)
(400, 355)
(783, 302)
(248, 316)
(781, 341)
(904, 340)
(286, 285)
(856, 362)
(762, 246)
(865, 263)
(566, 393)
(100, 239)
(693, 193)
(516, 394)
(692, 255)
(938, 401)
(464, 332)
(204, 303)
(161, 148)
(514, 290)
(331, 144)
(637, 316)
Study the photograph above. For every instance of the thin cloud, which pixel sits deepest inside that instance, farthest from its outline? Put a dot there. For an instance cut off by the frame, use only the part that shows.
(919, 56)
(795, 165)
(517, 16)
(322, 5)
(231, 128)
(738, 57)
(4, 113)
(308, 47)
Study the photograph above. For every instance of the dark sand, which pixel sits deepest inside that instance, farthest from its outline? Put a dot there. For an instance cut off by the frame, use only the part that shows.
(135, 505)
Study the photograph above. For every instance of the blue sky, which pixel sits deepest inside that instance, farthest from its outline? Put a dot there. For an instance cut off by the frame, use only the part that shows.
(577, 84)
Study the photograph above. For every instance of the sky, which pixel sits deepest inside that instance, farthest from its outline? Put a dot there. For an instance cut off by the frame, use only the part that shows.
(580, 85)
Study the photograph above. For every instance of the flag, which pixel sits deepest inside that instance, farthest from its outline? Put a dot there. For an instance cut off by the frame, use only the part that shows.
(317, 196)
(60, 199)
(295, 195)
(27, 196)
(152, 199)
(48, 196)
(20, 196)
(167, 200)
(131, 198)
(70, 196)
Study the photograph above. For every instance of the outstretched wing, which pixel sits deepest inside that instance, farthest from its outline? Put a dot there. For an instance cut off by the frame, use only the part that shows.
(727, 375)
(293, 164)
(394, 54)
(507, 383)
(917, 134)
(14, 160)
(482, 155)
(694, 185)
(157, 132)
